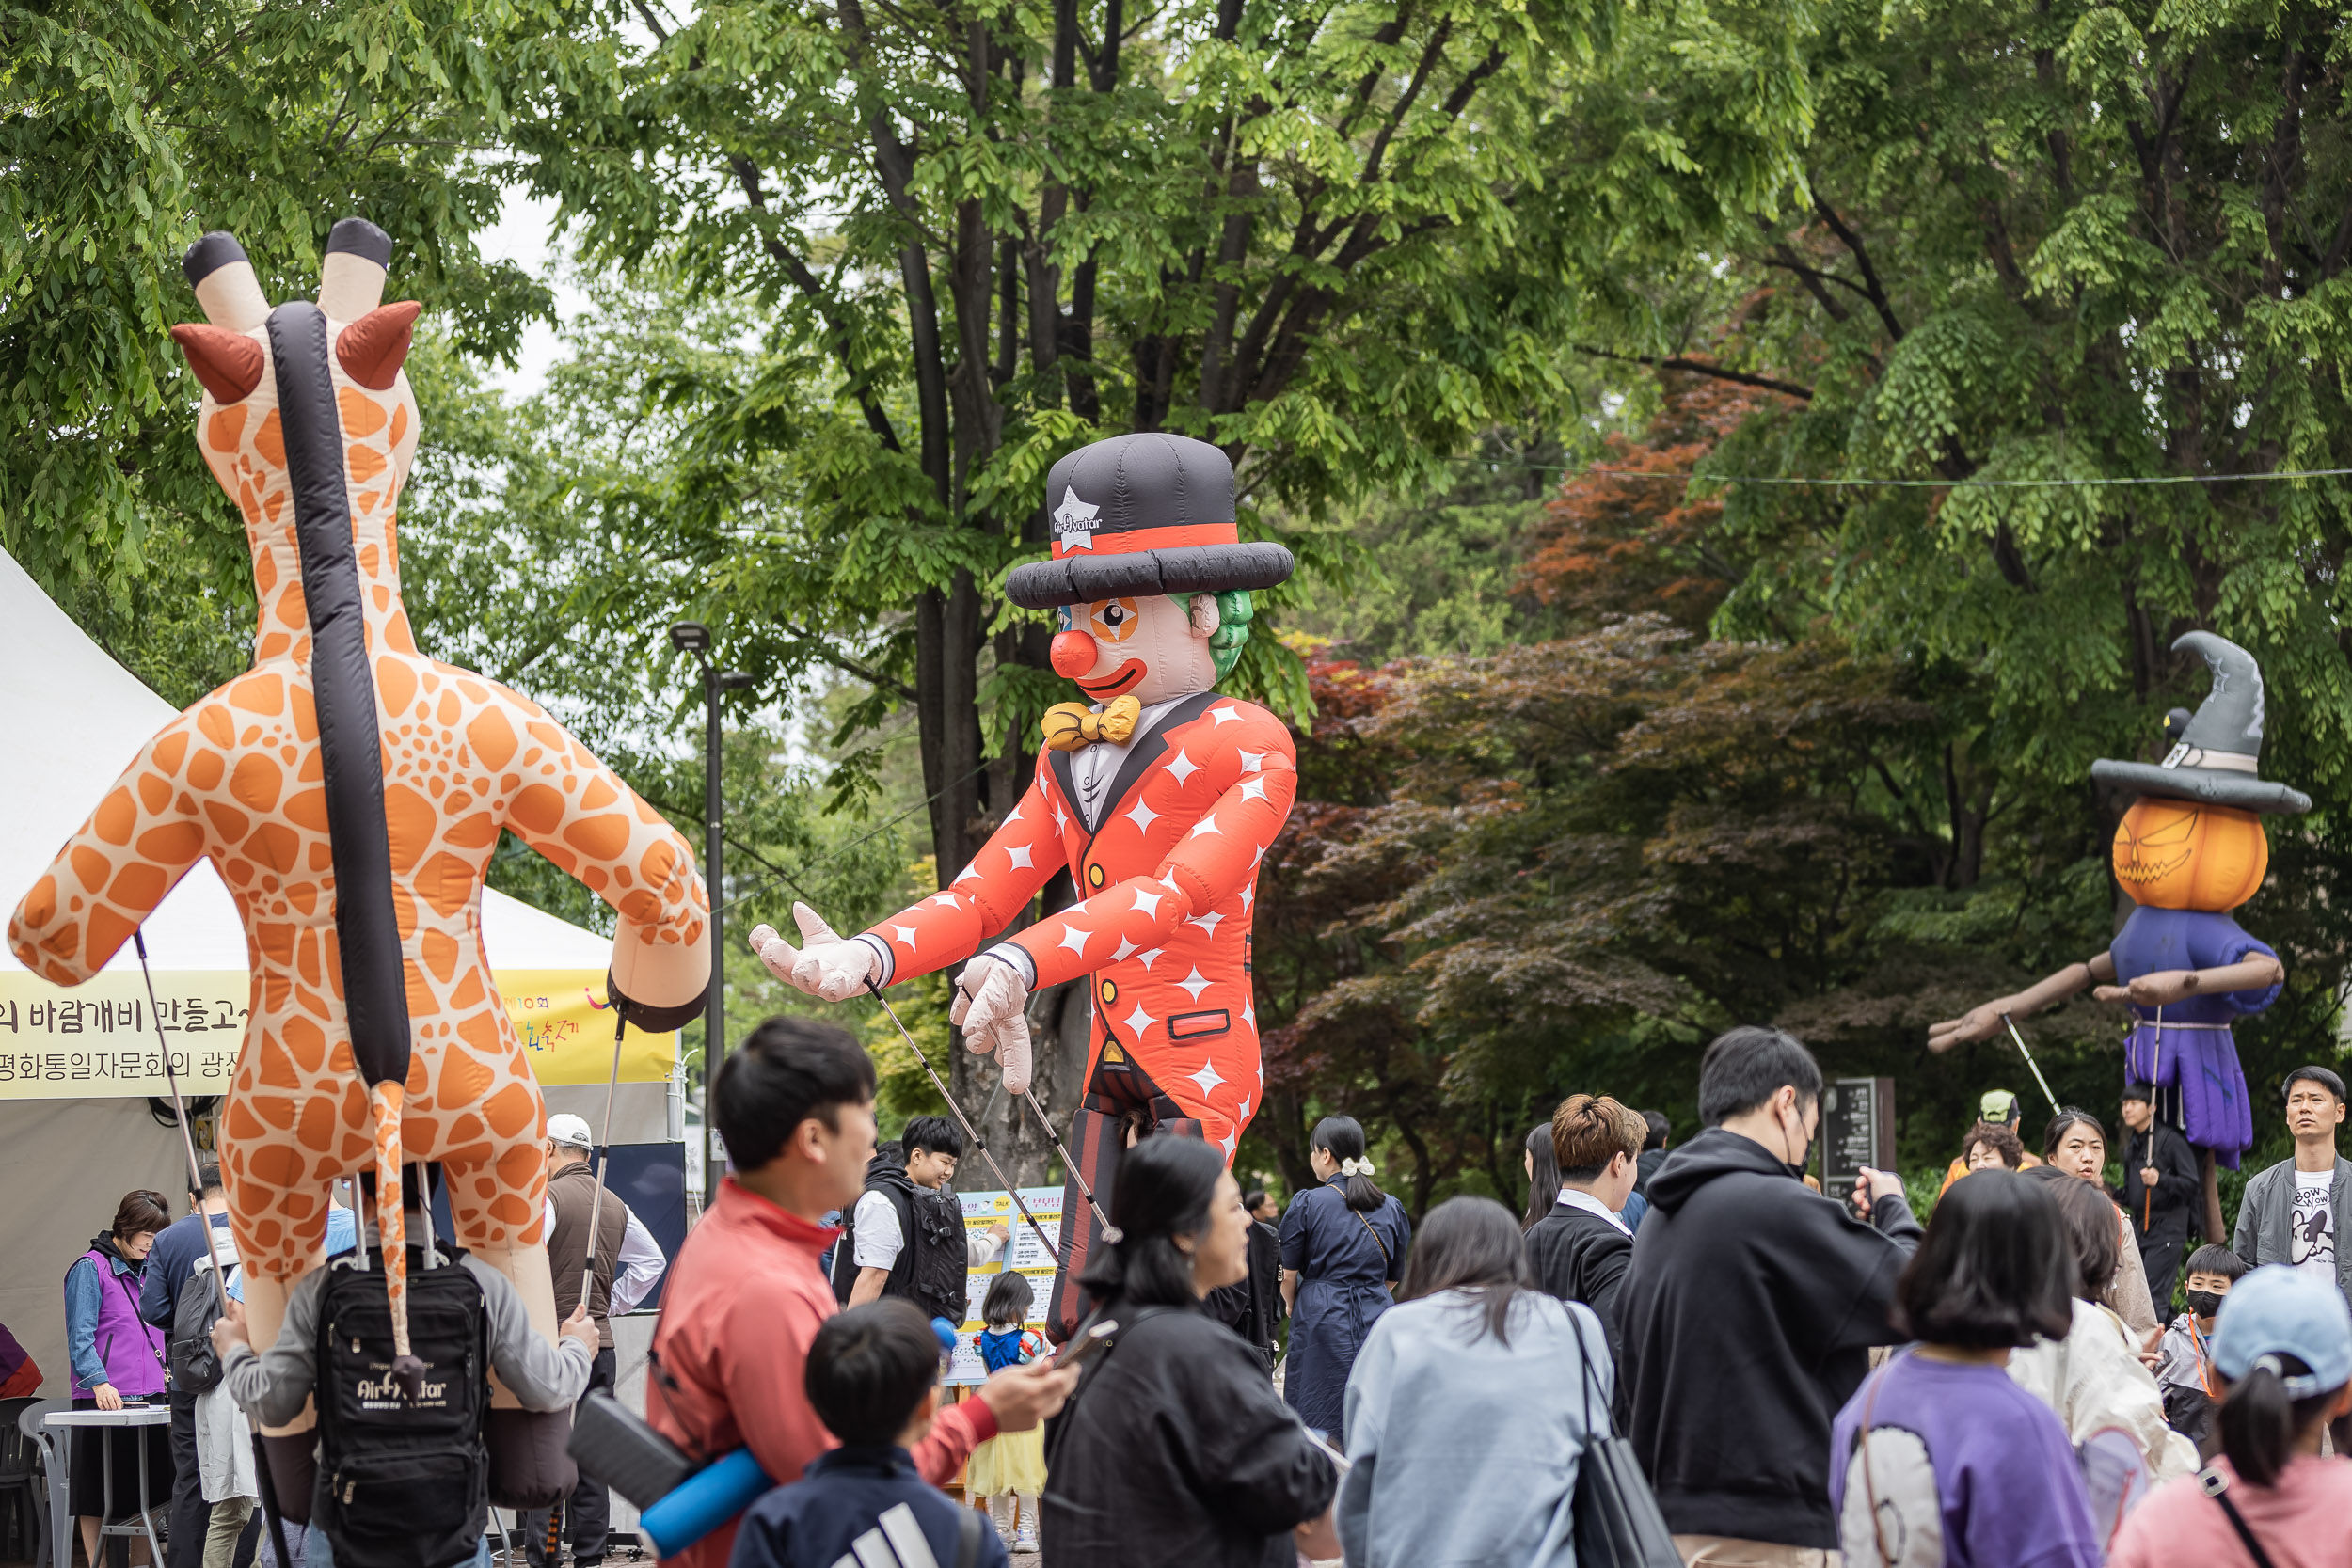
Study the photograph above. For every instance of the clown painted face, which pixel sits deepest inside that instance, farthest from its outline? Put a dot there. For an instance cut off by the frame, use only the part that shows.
(1154, 648)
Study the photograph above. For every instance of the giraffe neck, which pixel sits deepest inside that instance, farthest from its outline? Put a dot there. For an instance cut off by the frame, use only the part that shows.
(281, 630)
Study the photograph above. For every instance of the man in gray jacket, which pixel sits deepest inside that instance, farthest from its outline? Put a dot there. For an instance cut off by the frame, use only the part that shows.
(2294, 1212)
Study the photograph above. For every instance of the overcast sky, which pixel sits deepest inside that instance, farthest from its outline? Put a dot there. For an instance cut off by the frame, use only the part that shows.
(521, 235)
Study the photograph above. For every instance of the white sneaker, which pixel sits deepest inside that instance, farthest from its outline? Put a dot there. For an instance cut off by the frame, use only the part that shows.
(1024, 1539)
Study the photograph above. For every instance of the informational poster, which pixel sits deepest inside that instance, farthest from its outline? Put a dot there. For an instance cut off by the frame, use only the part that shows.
(104, 1040)
(1024, 1253)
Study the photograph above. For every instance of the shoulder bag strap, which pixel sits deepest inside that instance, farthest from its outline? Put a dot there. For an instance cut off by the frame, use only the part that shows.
(1367, 1223)
(1584, 1366)
(968, 1538)
(659, 1378)
(2216, 1488)
(1869, 1477)
(148, 1331)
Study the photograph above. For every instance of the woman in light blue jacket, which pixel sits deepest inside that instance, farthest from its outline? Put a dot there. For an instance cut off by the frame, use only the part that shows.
(1466, 1409)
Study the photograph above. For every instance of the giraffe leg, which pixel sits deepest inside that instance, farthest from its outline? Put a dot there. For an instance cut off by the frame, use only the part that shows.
(498, 1194)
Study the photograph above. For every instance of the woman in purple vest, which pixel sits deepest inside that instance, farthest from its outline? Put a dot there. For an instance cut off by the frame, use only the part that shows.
(117, 1360)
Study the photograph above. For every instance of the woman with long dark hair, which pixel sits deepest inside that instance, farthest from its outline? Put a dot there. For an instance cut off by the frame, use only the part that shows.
(117, 1359)
(1939, 1445)
(2076, 1143)
(1452, 1461)
(2283, 1347)
(1543, 1176)
(1173, 1449)
(1342, 1248)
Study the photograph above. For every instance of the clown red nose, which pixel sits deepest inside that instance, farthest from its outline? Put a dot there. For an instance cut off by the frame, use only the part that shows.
(1074, 654)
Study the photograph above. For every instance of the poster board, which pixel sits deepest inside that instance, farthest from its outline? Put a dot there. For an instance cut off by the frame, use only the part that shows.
(1023, 1253)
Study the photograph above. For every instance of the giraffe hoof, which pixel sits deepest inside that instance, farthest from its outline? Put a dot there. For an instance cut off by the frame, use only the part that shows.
(409, 1373)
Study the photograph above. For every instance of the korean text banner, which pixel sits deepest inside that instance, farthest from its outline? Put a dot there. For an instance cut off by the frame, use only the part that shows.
(99, 1039)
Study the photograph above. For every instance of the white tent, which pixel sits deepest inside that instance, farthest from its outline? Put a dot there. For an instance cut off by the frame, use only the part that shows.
(73, 720)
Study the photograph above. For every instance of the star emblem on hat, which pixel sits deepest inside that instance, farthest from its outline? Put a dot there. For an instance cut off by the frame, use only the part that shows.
(1075, 521)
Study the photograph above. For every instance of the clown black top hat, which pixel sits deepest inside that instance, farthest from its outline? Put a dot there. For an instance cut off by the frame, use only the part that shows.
(1150, 513)
(2215, 761)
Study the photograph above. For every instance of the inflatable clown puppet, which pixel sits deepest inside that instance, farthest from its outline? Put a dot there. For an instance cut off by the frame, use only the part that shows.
(2188, 852)
(350, 791)
(1159, 795)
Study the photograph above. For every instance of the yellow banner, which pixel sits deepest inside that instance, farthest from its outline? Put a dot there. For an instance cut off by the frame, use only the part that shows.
(101, 1038)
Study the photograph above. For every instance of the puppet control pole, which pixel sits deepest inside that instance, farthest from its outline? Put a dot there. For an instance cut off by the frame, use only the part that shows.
(1111, 1233)
(180, 1111)
(595, 1206)
(2055, 1106)
(965, 1122)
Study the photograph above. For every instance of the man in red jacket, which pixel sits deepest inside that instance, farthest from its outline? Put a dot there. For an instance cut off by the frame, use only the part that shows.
(1161, 798)
(794, 1105)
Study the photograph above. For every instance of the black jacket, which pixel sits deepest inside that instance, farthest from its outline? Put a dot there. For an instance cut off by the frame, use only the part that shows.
(1578, 1256)
(1176, 1453)
(1645, 1166)
(1253, 1307)
(2180, 1190)
(1747, 1318)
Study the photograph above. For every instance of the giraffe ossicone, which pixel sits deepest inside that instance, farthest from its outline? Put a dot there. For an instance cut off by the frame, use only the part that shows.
(350, 790)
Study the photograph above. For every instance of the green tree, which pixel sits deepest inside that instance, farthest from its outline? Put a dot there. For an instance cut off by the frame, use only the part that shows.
(2083, 243)
(1337, 240)
(127, 130)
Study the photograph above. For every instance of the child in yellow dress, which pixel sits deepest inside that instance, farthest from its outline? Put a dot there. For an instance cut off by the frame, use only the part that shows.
(1010, 1467)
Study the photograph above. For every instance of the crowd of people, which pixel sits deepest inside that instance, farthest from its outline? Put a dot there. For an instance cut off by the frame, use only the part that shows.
(1805, 1379)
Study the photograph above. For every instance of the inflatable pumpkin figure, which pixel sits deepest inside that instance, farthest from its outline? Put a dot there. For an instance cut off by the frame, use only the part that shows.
(2188, 852)
(350, 791)
(1159, 795)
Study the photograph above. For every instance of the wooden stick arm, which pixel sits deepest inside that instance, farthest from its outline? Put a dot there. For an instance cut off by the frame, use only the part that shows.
(1983, 1021)
(2165, 986)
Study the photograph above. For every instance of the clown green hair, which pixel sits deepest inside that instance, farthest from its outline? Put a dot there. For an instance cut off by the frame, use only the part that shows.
(1233, 612)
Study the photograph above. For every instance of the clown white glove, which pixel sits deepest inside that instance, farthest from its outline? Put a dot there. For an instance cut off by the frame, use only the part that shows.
(824, 965)
(992, 1010)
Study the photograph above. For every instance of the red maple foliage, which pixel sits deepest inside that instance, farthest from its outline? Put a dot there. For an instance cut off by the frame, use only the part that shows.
(1615, 545)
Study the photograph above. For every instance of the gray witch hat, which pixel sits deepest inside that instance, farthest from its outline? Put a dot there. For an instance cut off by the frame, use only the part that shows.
(2215, 761)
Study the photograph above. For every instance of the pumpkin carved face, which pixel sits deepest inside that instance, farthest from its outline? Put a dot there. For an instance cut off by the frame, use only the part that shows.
(2176, 855)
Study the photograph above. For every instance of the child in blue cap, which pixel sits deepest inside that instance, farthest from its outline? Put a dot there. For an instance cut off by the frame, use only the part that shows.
(2282, 1345)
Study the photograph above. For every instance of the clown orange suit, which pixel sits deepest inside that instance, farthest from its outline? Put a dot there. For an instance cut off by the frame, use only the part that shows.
(1169, 880)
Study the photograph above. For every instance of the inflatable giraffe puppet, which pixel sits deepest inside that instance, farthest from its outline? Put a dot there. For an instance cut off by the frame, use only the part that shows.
(350, 791)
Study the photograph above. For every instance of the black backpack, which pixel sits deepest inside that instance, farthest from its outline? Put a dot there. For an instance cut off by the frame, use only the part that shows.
(403, 1484)
(933, 1261)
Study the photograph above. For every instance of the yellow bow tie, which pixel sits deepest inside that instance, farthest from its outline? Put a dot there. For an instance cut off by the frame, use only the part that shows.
(1068, 726)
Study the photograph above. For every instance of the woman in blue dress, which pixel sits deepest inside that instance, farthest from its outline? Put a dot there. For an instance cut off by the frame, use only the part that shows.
(1342, 1252)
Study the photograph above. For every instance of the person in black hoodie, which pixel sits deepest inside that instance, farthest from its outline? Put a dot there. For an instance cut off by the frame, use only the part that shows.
(1749, 1311)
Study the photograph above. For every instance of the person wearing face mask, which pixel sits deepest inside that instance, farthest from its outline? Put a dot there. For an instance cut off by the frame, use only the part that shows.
(2185, 1374)
(2185, 1369)
(1748, 1313)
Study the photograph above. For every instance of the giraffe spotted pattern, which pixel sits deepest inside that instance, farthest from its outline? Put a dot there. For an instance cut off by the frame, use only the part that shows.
(238, 779)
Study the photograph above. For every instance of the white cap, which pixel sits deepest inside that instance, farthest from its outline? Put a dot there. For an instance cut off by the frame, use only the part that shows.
(565, 1128)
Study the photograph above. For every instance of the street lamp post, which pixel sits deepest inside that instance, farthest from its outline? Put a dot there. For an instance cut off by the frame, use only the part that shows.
(694, 638)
